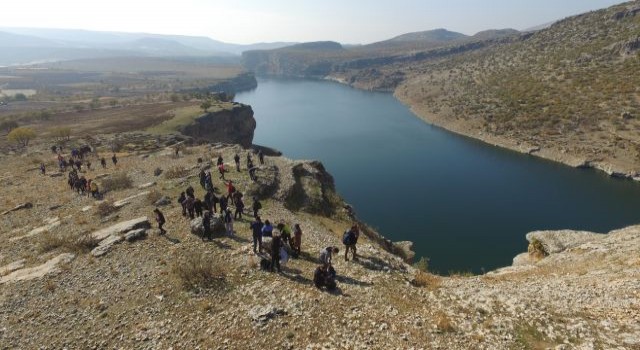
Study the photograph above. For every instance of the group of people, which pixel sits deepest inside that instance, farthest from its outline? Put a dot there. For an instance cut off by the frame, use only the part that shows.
(283, 242)
(325, 274)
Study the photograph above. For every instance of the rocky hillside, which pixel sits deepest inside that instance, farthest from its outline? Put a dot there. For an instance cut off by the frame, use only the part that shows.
(72, 266)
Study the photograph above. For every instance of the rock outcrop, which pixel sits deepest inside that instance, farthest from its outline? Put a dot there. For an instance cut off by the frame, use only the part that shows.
(50, 266)
(234, 126)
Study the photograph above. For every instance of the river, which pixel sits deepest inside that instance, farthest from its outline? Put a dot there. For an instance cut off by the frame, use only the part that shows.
(466, 205)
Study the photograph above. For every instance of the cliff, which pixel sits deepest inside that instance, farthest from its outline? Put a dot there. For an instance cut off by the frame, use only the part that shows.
(241, 82)
(228, 125)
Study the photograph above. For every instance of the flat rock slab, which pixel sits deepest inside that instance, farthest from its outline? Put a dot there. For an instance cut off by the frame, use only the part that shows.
(101, 176)
(135, 235)
(50, 224)
(50, 266)
(105, 245)
(558, 241)
(147, 185)
(18, 207)
(122, 227)
(262, 314)
(16, 265)
(121, 203)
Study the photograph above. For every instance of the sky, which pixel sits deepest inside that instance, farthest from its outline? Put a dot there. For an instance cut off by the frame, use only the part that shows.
(251, 21)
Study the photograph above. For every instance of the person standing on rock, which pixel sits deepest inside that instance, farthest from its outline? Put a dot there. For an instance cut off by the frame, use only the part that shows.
(256, 230)
(276, 244)
(206, 224)
(261, 157)
(114, 159)
(160, 219)
(228, 222)
(350, 239)
(297, 239)
(236, 158)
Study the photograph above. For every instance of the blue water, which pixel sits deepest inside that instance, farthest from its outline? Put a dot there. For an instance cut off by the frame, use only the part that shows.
(466, 205)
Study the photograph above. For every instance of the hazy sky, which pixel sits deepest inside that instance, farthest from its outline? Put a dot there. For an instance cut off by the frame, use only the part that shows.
(249, 21)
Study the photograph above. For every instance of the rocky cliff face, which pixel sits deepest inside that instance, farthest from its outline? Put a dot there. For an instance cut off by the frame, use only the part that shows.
(232, 126)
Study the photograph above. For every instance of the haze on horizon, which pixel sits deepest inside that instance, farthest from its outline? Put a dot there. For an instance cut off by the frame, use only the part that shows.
(253, 21)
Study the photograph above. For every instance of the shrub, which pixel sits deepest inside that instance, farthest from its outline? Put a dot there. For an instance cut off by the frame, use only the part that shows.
(422, 264)
(536, 249)
(105, 209)
(116, 182)
(425, 279)
(176, 172)
(21, 135)
(443, 323)
(197, 272)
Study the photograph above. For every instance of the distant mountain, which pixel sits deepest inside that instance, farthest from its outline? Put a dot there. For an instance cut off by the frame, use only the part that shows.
(436, 35)
(495, 34)
(317, 45)
(80, 44)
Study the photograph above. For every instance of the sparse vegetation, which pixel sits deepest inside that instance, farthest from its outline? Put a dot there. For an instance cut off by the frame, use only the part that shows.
(115, 182)
(176, 172)
(105, 209)
(67, 242)
(21, 135)
(536, 249)
(199, 272)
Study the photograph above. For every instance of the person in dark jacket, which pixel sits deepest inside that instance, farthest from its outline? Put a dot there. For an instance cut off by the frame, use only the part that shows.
(239, 208)
(197, 206)
(103, 162)
(256, 229)
(276, 244)
(160, 219)
(206, 224)
(236, 158)
(114, 159)
(182, 202)
(256, 206)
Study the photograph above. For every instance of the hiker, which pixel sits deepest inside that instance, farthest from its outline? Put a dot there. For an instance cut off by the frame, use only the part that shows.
(220, 161)
(256, 229)
(326, 255)
(230, 191)
(43, 169)
(103, 162)
(94, 190)
(228, 222)
(206, 224)
(189, 203)
(203, 179)
(177, 151)
(325, 276)
(197, 206)
(285, 233)
(252, 173)
(88, 187)
(114, 159)
(236, 158)
(297, 239)
(239, 208)
(221, 171)
(249, 160)
(79, 165)
(267, 229)
(276, 244)
(189, 191)
(211, 200)
(236, 196)
(223, 203)
(261, 157)
(208, 183)
(349, 239)
(182, 200)
(256, 206)
(160, 219)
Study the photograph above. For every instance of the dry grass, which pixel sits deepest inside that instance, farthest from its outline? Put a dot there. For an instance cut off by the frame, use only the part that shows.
(105, 209)
(68, 242)
(119, 181)
(426, 280)
(444, 323)
(197, 272)
(153, 196)
(176, 172)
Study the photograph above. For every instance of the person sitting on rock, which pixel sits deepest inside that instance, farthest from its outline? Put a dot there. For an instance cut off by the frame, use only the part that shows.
(160, 219)
(325, 276)
(267, 229)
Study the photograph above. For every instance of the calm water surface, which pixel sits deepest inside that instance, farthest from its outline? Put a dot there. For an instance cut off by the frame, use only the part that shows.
(466, 205)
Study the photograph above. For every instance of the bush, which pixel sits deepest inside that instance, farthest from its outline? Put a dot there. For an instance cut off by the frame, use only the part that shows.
(425, 279)
(105, 209)
(536, 249)
(197, 272)
(422, 264)
(50, 241)
(176, 172)
(21, 135)
(116, 182)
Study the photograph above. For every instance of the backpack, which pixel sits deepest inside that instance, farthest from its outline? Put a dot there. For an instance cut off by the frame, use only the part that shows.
(348, 238)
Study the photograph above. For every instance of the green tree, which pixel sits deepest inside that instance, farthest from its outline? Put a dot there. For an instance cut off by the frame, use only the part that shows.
(22, 135)
(20, 97)
(205, 105)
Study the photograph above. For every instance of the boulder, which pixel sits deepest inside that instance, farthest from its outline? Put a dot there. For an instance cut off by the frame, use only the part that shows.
(217, 226)
(262, 314)
(121, 227)
(105, 245)
(164, 200)
(558, 241)
(135, 235)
